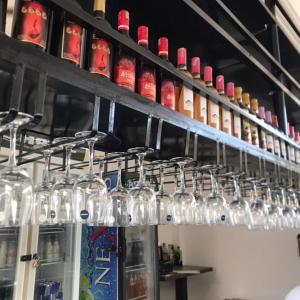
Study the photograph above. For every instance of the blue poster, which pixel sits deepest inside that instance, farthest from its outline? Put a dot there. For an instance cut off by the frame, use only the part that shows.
(99, 260)
(99, 263)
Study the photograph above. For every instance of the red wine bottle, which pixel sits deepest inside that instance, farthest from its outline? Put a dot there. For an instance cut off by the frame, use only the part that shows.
(31, 23)
(146, 70)
(125, 62)
(100, 50)
(166, 94)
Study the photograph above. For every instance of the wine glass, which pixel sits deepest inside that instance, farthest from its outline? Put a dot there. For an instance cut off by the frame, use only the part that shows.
(199, 206)
(216, 208)
(183, 199)
(119, 197)
(274, 210)
(258, 209)
(62, 200)
(42, 197)
(165, 201)
(289, 215)
(90, 191)
(297, 210)
(239, 211)
(16, 189)
(143, 207)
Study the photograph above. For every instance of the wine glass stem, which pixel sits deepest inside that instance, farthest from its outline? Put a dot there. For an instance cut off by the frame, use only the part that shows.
(182, 183)
(141, 168)
(236, 187)
(13, 139)
(68, 161)
(119, 180)
(162, 178)
(46, 168)
(194, 183)
(213, 183)
(101, 167)
(91, 145)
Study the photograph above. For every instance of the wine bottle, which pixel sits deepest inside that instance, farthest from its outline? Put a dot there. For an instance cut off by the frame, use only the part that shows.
(125, 62)
(184, 95)
(167, 84)
(100, 50)
(238, 91)
(31, 23)
(224, 112)
(246, 101)
(236, 123)
(213, 109)
(146, 70)
(200, 101)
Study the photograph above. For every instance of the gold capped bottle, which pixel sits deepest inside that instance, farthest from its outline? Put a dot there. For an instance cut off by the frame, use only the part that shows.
(213, 108)
(31, 23)
(166, 93)
(184, 94)
(125, 62)
(238, 99)
(224, 112)
(100, 49)
(246, 101)
(200, 101)
(236, 122)
(254, 106)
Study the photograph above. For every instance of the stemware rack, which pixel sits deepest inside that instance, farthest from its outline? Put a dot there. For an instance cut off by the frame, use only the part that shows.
(84, 101)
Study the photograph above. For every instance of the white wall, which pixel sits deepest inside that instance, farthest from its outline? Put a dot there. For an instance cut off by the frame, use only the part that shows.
(254, 265)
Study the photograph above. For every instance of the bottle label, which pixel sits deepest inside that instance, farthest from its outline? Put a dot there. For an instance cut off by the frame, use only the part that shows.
(254, 136)
(270, 142)
(247, 131)
(263, 140)
(34, 23)
(188, 99)
(168, 94)
(72, 42)
(125, 72)
(100, 59)
(147, 84)
(213, 114)
(226, 120)
(237, 128)
(283, 149)
(203, 109)
(291, 152)
(298, 156)
(277, 146)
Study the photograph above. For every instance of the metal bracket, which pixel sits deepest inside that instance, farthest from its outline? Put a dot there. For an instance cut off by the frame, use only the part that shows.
(148, 132)
(246, 163)
(96, 113)
(218, 152)
(195, 156)
(187, 142)
(111, 122)
(224, 155)
(41, 96)
(159, 132)
(241, 161)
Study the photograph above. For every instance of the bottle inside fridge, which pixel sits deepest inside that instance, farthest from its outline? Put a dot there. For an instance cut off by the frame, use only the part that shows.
(55, 272)
(8, 255)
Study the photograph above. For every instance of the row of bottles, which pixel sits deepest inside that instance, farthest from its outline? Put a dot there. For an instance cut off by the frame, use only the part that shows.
(35, 23)
(49, 247)
(48, 290)
(136, 284)
(8, 253)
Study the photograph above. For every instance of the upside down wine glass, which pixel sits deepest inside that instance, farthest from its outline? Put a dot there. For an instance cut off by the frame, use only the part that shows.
(184, 201)
(143, 207)
(199, 201)
(90, 191)
(165, 201)
(16, 189)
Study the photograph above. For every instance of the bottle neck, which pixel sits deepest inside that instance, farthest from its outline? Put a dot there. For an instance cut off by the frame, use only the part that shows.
(124, 32)
(164, 57)
(119, 180)
(143, 44)
(99, 14)
(221, 92)
(182, 67)
(196, 75)
(209, 83)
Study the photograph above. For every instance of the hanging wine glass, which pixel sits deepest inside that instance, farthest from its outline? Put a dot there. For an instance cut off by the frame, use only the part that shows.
(274, 210)
(289, 215)
(239, 211)
(165, 201)
(119, 197)
(42, 197)
(258, 209)
(199, 206)
(216, 208)
(90, 191)
(143, 209)
(297, 209)
(16, 189)
(62, 204)
(184, 201)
